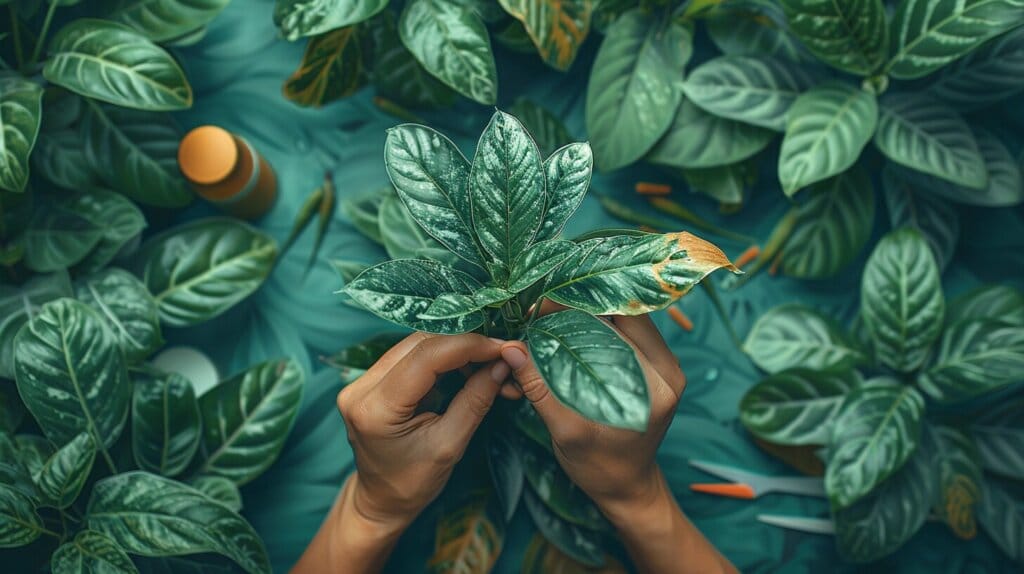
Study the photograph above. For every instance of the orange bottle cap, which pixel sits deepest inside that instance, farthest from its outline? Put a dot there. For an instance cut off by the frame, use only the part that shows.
(207, 155)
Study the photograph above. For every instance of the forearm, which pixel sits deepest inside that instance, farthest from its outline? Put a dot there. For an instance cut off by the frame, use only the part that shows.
(348, 542)
(660, 539)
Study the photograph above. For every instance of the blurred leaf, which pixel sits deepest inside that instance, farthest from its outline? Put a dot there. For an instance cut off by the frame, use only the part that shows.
(851, 35)
(20, 113)
(93, 553)
(796, 406)
(19, 304)
(699, 139)
(63, 475)
(298, 18)
(468, 539)
(973, 357)
(19, 522)
(162, 20)
(913, 206)
(166, 429)
(557, 27)
(331, 69)
(219, 489)
(546, 129)
(791, 336)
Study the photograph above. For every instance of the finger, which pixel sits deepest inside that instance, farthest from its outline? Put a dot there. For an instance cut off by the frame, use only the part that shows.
(511, 391)
(554, 414)
(644, 335)
(547, 307)
(393, 355)
(415, 373)
(473, 401)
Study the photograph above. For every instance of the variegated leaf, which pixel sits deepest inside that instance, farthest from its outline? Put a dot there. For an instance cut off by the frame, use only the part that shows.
(959, 479)
(20, 524)
(127, 308)
(298, 18)
(850, 35)
(583, 546)
(793, 336)
(983, 77)
(913, 206)
(537, 261)
(557, 27)
(700, 139)
(974, 357)
(1001, 303)
(165, 421)
(567, 175)
(796, 406)
(331, 69)
(20, 115)
(92, 553)
(63, 475)
(453, 305)
(999, 435)
(166, 20)
(121, 220)
(1002, 517)
(396, 73)
(18, 305)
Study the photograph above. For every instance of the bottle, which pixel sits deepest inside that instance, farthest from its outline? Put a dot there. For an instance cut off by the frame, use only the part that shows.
(225, 170)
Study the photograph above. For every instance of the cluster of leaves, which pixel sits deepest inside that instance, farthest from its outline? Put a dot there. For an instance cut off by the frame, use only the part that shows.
(891, 400)
(475, 246)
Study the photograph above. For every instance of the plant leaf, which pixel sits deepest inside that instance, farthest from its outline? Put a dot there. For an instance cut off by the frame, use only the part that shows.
(59, 156)
(546, 129)
(468, 539)
(580, 544)
(219, 489)
(507, 189)
(567, 178)
(136, 154)
(119, 218)
(162, 20)
(558, 492)
(152, 516)
(364, 212)
(451, 42)
(796, 406)
(632, 275)
(91, 552)
(396, 72)
(832, 226)
(928, 34)
(699, 139)
(590, 368)
(538, 261)
(19, 305)
(331, 69)
(757, 91)
(877, 430)
(113, 63)
(33, 451)
(246, 419)
(557, 27)
(633, 91)
(19, 522)
(826, 129)
(959, 480)
(901, 299)
(793, 336)
(14, 467)
(542, 557)
(1002, 517)
(71, 374)
(753, 29)
(402, 290)
(983, 77)
(974, 357)
(935, 219)
(58, 236)
(1000, 303)
(12, 412)
(723, 183)
(20, 115)
(850, 35)
(62, 475)
(506, 467)
(298, 18)
(199, 270)
(165, 422)
(999, 435)
(127, 308)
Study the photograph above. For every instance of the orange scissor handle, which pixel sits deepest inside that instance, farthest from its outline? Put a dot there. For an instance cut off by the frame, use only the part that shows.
(732, 490)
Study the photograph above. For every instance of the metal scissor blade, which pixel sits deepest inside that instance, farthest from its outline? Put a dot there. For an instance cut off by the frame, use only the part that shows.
(803, 485)
(800, 523)
(727, 472)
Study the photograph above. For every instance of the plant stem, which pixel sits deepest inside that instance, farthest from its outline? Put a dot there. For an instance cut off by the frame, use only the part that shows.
(42, 33)
(709, 288)
(674, 209)
(109, 461)
(773, 247)
(19, 56)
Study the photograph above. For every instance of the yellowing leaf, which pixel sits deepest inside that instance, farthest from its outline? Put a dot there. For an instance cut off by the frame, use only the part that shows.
(542, 557)
(557, 27)
(332, 68)
(468, 540)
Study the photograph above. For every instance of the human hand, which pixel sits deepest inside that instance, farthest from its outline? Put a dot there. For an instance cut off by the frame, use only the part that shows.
(404, 457)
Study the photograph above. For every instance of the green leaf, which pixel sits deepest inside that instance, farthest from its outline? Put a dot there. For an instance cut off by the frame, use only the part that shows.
(506, 188)
(582, 545)
(633, 91)
(1002, 517)
(538, 261)
(901, 299)
(403, 238)
(363, 211)
(699, 139)
(877, 430)
(219, 489)
(136, 154)
(14, 471)
(793, 336)
(59, 236)
(983, 77)
(93, 553)
(558, 492)
(546, 129)
(590, 368)
(199, 270)
(557, 27)
(59, 156)
(153, 516)
(757, 91)
(454, 305)
(567, 178)
(451, 42)
(299, 18)
(119, 218)
(469, 538)
(928, 34)
(796, 406)
(71, 374)
(33, 451)
(62, 476)
(850, 35)
(402, 290)
(432, 178)
(996, 302)
(506, 467)
(959, 480)
(755, 29)
(974, 357)
(826, 129)
(396, 72)
(881, 522)
(331, 69)
(529, 423)
(161, 20)
(19, 522)
(19, 305)
(723, 183)
(127, 308)
(12, 412)
(20, 114)
(632, 275)
(831, 227)
(913, 206)
(165, 421)
(113, 63)
(246, 419)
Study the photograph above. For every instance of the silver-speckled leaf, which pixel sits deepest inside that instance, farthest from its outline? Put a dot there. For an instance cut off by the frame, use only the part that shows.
(851, 35)
(796, 406)
(128, 309)
(901, 299)
(63, 474)
(153, 516)
(162, 20)
(454, 305)
(567, 178)
(246, 419)
(914, 206)
(984, 76)
(791, 336)
(876, 432)
(544, 126)
(402, 290)
(974, 357)
(507, 188)
(299, 18)
(590, 368)
(20, 114)
(165, 421)
(219, 489)
(537, 261)
(19, 522)
(633, 275)
(19, 304)
(199, 270)
(700, 139)
(91, 553)
(71, 374)
(1001, 303)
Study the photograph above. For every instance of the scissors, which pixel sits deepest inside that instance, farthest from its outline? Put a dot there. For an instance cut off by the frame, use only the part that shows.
(749, 485)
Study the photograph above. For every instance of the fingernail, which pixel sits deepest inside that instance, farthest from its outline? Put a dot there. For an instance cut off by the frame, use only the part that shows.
(514, 356)
(498, 341)
(500, 371)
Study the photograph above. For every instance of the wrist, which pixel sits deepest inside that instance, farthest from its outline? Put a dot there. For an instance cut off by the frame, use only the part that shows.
(358, 530)
(370, 515)
(648, 510)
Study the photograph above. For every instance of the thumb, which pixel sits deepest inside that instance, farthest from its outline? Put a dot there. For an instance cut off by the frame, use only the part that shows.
(530, 380)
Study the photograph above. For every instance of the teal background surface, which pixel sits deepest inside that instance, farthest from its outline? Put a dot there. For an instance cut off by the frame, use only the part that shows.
(237, 71)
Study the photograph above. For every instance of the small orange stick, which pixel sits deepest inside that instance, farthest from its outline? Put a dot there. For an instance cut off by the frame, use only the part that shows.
(646, 188)
(775, 264)
(738, 490)
(680, 318)
(747, 256)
